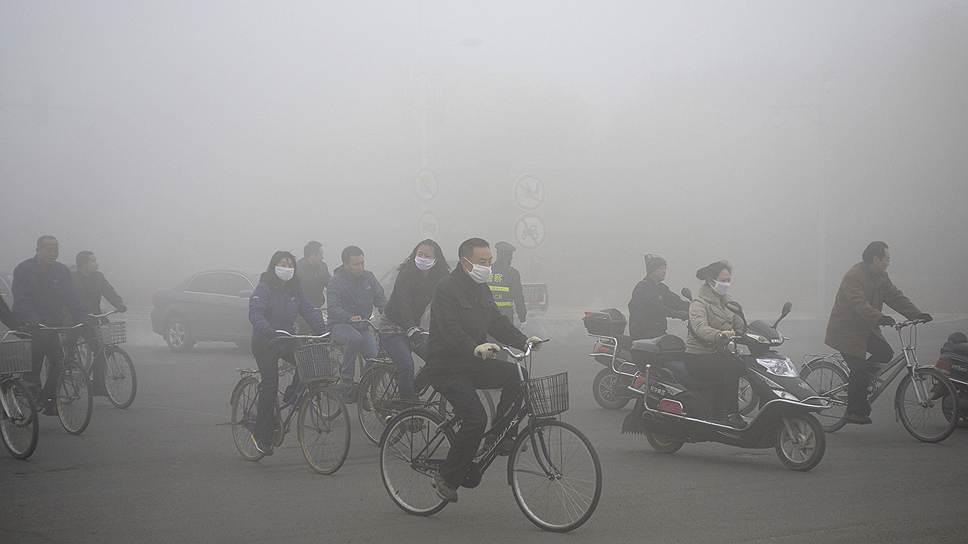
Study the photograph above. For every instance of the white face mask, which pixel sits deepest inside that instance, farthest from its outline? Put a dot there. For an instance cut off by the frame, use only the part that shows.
(479, 273)
(423, 263)
(721, 287)
(285, 273)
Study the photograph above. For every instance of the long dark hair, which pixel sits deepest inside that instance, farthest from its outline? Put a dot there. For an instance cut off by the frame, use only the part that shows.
(440, 267)
(270, 272)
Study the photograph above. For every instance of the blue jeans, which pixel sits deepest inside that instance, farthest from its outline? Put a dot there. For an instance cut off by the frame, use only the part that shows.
(398, 347)
(354, 341)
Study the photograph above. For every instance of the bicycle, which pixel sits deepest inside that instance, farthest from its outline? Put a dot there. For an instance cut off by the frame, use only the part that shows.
(19, 424)
(917, 394)
(73, 401)
(322, 422)
(119, 377)
(415, 444)
(378, 398)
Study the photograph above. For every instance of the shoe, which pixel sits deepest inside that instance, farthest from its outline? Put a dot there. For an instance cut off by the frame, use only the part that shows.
(445, 491)
(265, 451)
(736, 420)
(859, 419)
(50, 408)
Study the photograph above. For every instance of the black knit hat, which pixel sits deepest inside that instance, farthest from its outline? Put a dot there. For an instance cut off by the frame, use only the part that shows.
(653, 263)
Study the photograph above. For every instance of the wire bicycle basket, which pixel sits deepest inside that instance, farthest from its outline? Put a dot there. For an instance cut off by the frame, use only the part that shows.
(15, 357)
(313, 363)
(548, 395)
(112, 334)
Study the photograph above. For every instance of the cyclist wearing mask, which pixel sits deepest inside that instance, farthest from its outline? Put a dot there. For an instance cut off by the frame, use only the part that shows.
(653, 303)
(274, 305)
(462, 316)
(412, 291)
(91, 287)
(353, 294)
(711, 325)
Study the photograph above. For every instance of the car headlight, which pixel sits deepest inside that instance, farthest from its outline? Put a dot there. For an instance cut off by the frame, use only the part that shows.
(778, 367)
(784, 395)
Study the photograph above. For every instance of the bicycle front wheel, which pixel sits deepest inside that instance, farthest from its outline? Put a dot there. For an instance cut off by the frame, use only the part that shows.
(555, 476)
(377, 392)
(412, 450)
(323, 430)
(829, 380)
(19, 427)
(74, 401)
(244, 402)
(920, 408)
(120, 380)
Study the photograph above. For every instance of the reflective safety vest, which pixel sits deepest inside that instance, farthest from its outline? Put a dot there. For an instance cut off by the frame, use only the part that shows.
(501, 292)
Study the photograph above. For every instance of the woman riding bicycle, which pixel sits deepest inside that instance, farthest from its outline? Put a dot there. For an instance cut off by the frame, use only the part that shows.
(412, 291)
(274, 305)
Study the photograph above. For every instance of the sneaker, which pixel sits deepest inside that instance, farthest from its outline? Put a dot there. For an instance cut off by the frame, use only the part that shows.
(265, 451)
(49, 407)
(445, 491)
(858, 419)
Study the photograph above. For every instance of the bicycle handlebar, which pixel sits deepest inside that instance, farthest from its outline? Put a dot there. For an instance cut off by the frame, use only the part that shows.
(524, 354)
(909, 323)
(286, 335)
(15, 333)
(102, 316)
(59, 329)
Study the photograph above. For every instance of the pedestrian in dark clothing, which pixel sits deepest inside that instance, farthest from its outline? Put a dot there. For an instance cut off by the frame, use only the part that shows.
(274, 305)
(412, 291)
(854, 320)
(353, 294)
(462, 316)
(653, 303)
(91, 287)
(313, 273)
(43, 293)
(505, 284)
(7, 317)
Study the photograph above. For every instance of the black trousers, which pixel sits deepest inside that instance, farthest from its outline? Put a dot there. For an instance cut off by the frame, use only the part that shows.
(460, 389)
(723, 371)
(267, 358)
(862, 373)
(46, 344)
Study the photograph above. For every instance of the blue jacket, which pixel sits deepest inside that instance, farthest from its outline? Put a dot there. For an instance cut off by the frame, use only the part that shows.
(274, 305)
(40, 297)
(353, 295)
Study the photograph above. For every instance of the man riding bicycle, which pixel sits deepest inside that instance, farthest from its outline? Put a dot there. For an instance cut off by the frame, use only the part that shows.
(91, 287)
(42, 290)
(462, 316)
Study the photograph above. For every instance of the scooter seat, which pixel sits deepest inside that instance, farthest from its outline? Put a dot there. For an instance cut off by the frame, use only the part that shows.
(668, 343)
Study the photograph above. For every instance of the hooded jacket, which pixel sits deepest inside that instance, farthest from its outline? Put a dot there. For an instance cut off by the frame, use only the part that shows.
(274, 305)
(351, 295)
(708, 316)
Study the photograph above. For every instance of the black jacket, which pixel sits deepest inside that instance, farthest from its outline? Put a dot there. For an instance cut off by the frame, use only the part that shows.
(652, 303)
(41, 295)
(314, 280)
(462, 316)
(412, 292)
(7, 317)
(91, 288)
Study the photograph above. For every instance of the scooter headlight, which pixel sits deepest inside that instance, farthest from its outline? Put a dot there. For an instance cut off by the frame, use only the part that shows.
(778, 367)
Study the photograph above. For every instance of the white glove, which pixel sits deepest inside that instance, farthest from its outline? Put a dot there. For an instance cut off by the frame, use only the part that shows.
(486, 351)
(412, 330)
(535, 342)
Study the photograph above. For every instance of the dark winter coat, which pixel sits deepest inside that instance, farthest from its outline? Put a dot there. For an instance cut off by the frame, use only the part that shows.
(274, 306)
(412, 292)
(90, 290)
(313, 280)
(42, 296)
(351, 295)
(651, 305)
(857, 309)
(462, 316)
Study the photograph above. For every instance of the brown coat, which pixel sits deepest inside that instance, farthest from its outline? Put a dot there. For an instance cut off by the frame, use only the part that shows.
(857, 309)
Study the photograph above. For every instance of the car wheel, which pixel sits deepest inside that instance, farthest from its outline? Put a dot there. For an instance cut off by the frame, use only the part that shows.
(178, 334)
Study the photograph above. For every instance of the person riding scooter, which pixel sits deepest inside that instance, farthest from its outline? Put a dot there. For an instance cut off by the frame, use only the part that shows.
(711, 326)
(652, 302)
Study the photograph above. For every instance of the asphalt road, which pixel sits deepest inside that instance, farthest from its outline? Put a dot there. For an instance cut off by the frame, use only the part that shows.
(166, 470)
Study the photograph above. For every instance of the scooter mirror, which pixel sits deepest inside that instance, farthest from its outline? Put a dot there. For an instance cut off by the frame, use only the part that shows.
(787, 307)
(686, 293)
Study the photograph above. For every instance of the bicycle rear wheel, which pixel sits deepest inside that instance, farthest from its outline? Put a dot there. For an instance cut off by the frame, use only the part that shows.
(377, 393)
(120, 380)
(555, 476)
(412, 450)
(926, 420)
(74, 401)
(244, 402)
(19, 427)
(323, 430)
(824, 377)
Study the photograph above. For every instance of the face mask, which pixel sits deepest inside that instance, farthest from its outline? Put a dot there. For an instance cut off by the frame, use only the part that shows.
(479, 273)
(285, 273)
(423, 263)
(721, 287)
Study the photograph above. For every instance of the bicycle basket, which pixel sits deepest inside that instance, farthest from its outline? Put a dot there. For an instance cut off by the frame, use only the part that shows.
(313, 363)
(112, 334)
(15, 357)
(548, 395)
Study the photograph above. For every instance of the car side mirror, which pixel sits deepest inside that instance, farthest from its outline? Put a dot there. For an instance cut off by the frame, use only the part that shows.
(686, 293)
(734, 307)
(245, 293)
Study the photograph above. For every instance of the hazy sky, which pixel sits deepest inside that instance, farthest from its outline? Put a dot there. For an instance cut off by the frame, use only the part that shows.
(170, 137)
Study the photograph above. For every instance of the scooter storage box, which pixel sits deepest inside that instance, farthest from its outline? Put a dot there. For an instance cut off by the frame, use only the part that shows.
(608, 322)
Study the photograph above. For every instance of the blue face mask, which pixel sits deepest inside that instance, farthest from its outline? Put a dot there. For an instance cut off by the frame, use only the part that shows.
(285, 273)
(721, 287)
(423, 263)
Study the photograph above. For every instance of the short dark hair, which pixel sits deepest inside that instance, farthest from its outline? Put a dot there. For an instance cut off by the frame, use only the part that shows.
(83, 258)
(874, 249)
(312, 248)
(350, 251)
(466, 248)
(44, 238)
